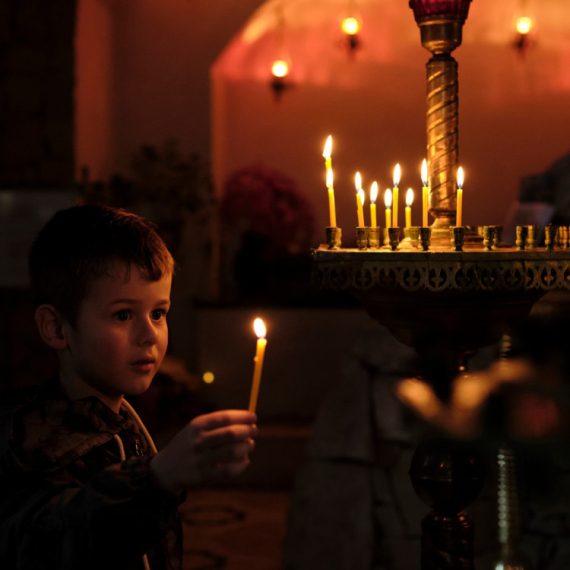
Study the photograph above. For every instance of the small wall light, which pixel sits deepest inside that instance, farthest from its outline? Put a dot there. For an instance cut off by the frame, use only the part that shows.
(351, 27)
(279, 71)
(524, 31)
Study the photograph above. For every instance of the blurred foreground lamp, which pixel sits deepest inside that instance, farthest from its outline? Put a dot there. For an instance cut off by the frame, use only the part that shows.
(279, 72)
(441, 24)
(350, 27)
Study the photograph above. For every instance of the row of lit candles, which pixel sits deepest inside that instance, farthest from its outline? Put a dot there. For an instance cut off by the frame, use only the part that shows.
(391, 197)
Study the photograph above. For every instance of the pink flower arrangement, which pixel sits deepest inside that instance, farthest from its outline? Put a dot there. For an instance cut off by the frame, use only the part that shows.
(269, 203)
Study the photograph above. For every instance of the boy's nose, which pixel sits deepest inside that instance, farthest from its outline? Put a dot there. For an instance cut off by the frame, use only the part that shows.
(147, 333)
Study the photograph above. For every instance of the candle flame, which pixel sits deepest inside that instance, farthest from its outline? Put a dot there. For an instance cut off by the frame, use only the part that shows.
(361, 194)
(350, 26)
(374, 192)
(524, 25)
(424, 173)
(329, 178)
(460, 178)
(397, 175)
(388, 198)
(328, 147)
(358, 181)
(259, 328)
(280, 68)
(409, 197)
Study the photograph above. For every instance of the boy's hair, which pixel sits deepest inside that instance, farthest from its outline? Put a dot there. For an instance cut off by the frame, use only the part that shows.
(83, 243)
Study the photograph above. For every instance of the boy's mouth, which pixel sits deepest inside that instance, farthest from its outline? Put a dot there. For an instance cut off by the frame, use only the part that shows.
(149, 360)
(143, 365)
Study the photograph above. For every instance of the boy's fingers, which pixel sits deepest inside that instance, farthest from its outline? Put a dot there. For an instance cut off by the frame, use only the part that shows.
(224, 436)
(225, 470)
(230, 453)
(223, 418)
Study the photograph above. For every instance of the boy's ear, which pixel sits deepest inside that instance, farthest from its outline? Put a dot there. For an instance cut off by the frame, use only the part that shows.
(50, 326)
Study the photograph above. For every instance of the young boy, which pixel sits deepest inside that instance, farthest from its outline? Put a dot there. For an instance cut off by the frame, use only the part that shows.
(81, 483)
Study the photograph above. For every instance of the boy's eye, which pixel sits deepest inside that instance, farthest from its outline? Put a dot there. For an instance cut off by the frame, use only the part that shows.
(123, 315)
(158, 314)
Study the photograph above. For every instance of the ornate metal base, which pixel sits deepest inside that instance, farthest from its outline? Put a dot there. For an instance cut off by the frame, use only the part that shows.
(445, 304)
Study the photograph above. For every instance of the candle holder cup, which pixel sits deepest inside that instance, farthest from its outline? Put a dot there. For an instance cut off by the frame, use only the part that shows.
(362, 237)
(394, 238)
(387, 236)
(550, 232)
(497, 237)
(559, 240)
(374, 238)
(457, 237)
(413, 234)
(488, 237)
(334, 237)
(522, 235)
(532, 237)
(425, 237)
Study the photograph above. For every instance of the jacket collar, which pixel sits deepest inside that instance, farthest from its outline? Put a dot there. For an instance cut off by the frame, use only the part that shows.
(49, 430)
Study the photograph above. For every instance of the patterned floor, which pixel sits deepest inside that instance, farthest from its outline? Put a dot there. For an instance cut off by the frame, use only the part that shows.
(234, 530)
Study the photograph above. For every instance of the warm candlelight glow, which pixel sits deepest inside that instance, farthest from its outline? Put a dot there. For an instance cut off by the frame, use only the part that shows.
(459, 215)
(374, 192)
(358, 181)
(280, 68)
(397, 173)
(396, 196)
(359, 200)
(373, 196)
(425, 192)
(332, 210)
(409, 200)
(260, 331)
(524, 25)
(350, 26)
(388, 204)
(259, 328)
(328, 147)
(327, 156)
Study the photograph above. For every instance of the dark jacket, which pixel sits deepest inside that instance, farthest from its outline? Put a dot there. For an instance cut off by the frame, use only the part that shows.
(67, 502)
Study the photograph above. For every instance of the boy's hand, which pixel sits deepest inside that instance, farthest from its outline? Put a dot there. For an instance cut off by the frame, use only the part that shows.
(211, 447)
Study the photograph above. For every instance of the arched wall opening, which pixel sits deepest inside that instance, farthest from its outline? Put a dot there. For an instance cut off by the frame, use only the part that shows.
(514, 110)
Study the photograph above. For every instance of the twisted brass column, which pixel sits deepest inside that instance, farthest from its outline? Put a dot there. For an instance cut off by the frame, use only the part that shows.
(442, 152)
(441, 36)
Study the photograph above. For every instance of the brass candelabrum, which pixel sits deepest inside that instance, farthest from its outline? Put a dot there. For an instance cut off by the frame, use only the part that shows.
(445, 290)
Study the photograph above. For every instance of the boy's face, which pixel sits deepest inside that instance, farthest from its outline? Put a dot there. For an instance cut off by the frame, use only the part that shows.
(120, 337)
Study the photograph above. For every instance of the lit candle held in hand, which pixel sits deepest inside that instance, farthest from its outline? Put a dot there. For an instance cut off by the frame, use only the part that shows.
(388, 204)
(459, 196)
(260, 331)
(409, 201)
(373, 196)
(425, 192)
(359, 199)
(395, 196)
(331, 197)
